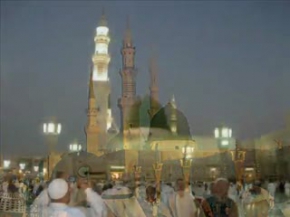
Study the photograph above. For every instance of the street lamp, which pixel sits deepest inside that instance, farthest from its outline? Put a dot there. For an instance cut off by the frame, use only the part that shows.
(157, 166)
(186, 162)
(238, 157)
(75, 147)
(6, 164)
(137, 173)
(223, 135)
(51, 129)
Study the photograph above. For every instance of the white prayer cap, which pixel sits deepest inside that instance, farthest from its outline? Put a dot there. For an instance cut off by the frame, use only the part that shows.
(57, 189)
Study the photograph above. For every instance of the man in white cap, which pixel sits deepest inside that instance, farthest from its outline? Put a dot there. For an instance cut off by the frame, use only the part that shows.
(59, 193)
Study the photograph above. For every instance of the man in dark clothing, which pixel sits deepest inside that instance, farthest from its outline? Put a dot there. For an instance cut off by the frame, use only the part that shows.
(219, 204)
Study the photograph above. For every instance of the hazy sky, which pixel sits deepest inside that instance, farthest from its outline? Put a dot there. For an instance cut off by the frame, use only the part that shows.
(224, 62)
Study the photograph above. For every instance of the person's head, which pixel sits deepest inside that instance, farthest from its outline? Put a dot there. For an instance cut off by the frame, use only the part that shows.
(221, 187)
(180, 185)
(59, 191)
(150, 192)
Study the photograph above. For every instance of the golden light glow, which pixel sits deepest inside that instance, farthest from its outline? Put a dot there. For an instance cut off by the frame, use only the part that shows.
(35, 168)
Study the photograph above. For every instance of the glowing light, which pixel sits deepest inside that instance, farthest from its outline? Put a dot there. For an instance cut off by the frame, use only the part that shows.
(225, 132)
(20, 171)
(44, 170)
(216, 133)
(117, 167)
(102, 30)
(225, 142)
(50, 128)
(212, 169)
(100, 76)
(75, 147)
(110, 119)
(22, 166)
(6, 163)
(187, 151)
(36, 168)
(101, 48)
(44, 128)
(249, 169)
(58, 128)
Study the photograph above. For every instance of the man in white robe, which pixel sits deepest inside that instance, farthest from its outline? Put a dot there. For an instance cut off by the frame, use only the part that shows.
(181, 203)
(42, 200)
(151, 206)
(272, 188)
(121, 202)
(59, 193)
(166, 192)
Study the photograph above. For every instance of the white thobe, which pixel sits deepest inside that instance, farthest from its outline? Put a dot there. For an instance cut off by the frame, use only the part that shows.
(233, 193)
(60, 210)
(122, 203)
(166, 192)
(97, 204)
(182, 206)
(272, 189)
(42, 199)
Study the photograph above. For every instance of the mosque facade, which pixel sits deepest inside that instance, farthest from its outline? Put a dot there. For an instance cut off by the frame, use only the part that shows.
(150, 132)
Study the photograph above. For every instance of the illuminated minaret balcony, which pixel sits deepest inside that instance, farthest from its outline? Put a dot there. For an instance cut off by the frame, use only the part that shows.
(101, 57)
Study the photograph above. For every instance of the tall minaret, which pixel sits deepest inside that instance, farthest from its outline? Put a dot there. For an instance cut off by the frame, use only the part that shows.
(173, 116)
(92, 129)
(154, 99)
(128, 74)
(101, 60)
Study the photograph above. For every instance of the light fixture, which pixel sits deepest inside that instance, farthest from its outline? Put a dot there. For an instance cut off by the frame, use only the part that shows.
(6, 163)
(52, 128)
(225, 142)
(36, 168)
(75, 147)
(187, 151)
(22, 166)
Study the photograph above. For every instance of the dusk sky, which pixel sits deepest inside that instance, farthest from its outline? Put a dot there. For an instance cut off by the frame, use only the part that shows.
(225, 62)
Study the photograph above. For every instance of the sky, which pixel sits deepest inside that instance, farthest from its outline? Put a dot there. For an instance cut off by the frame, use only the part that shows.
(225, 62)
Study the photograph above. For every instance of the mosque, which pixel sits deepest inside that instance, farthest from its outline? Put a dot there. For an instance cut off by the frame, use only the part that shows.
(150, 132)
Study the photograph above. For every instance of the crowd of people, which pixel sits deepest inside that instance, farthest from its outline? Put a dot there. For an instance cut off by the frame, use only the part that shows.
(62, 196)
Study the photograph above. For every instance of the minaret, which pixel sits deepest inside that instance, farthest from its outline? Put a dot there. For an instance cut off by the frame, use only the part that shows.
(92, 129)
(101, 60)
(154, 99)
(128, 103)
(173, 116)
(128, 74)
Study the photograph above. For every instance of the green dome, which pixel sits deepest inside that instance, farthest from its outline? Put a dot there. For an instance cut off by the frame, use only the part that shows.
(163, 120)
